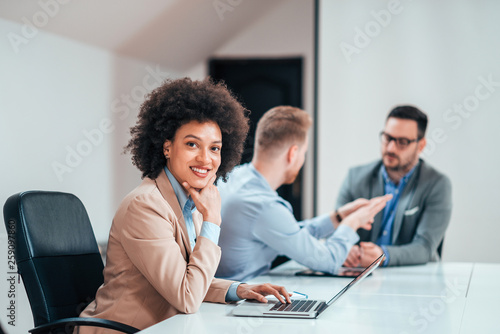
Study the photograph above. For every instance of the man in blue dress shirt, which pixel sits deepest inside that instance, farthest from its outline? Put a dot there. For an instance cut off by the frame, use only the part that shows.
(412, 225)
(257, 224)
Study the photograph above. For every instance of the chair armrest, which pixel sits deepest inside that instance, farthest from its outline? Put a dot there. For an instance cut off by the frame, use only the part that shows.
(95, 322)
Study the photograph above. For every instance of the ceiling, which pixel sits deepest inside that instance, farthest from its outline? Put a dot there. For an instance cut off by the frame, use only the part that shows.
(178, 33)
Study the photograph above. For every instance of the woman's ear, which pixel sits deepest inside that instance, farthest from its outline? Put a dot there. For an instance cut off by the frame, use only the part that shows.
(166, 148)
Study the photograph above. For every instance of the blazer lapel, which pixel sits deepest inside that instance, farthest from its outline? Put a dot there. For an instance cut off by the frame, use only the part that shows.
(404, 204)
(377, 190)
(168, 194)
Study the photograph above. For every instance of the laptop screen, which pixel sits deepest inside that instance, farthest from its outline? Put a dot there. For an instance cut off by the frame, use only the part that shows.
(358, 279)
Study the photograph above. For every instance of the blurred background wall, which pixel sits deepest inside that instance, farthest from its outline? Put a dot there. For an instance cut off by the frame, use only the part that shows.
(73, 74)
(441, 56)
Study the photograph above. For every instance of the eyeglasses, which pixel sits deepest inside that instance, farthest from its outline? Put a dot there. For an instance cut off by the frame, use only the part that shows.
(401, 142)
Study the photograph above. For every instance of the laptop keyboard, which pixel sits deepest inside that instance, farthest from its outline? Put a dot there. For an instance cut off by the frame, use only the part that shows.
(294, 306)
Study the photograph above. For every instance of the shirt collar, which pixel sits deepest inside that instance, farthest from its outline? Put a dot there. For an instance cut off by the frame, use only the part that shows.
(178, 189)
(403, 180)
(261, 177)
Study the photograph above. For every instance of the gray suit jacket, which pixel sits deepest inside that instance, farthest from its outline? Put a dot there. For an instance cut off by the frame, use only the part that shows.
(422, 215)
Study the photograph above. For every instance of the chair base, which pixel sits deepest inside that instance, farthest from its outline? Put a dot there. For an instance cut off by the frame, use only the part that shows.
(67, 326)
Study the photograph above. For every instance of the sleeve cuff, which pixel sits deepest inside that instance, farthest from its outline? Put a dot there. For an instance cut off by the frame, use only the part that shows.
(321, 226)
(348, 233)
(386, 253)
(210, 231)
(231, 295)
(325, 225)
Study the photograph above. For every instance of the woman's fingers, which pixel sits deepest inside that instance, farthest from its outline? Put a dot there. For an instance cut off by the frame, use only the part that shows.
(259, 291)
(206, 200)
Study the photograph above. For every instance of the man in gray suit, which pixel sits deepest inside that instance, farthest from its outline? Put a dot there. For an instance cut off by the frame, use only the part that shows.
(411, 227)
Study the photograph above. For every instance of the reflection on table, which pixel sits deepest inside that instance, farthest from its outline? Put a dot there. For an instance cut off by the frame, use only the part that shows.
(431, 298)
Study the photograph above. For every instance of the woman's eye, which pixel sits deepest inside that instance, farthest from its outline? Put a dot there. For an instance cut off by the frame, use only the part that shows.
(216, 149)
(191, 144)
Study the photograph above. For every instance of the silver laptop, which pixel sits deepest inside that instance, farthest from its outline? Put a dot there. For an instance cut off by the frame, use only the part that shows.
(299, 308)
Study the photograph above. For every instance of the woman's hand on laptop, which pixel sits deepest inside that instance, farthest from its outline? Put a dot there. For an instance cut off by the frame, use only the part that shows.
(259, 291)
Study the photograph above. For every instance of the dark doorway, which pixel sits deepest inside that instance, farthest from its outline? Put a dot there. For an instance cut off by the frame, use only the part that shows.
(261, 84)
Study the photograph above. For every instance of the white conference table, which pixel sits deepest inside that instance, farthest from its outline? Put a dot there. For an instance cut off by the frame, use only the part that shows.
(431, 298)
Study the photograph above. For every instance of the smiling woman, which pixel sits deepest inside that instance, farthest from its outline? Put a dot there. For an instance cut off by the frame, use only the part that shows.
(196, 148)
(176, 103)
(162, 250)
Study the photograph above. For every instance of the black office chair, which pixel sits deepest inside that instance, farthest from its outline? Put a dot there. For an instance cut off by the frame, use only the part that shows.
(58, 258)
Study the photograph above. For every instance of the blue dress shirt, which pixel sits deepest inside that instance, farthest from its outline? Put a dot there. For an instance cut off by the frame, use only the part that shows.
(385, 237)
(257, 225)
(208, 230)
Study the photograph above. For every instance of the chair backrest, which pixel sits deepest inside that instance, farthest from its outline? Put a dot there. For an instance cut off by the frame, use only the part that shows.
(56, 252)
(440, 249)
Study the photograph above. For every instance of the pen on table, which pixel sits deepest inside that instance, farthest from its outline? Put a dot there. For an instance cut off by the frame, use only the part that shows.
(300, 293)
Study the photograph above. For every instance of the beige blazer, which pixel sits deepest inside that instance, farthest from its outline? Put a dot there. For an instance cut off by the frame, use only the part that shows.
(151, 273)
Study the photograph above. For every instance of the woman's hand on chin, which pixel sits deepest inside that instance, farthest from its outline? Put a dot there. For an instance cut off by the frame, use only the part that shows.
(207, 200)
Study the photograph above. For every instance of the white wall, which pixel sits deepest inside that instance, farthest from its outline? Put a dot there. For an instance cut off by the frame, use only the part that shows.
(64, 108)
(59, 96)
(53, 90)
(434, 54)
